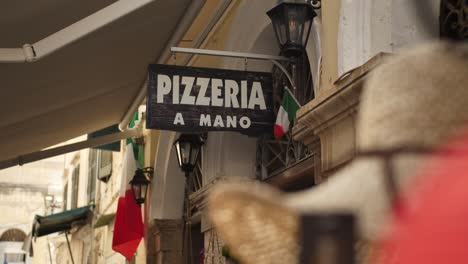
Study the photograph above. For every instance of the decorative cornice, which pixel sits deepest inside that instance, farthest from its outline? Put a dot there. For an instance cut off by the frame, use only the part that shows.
(334, 104)
(164, 225)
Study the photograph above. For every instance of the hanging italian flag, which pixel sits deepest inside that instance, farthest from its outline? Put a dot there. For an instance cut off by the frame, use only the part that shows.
(286, 113)
(128, 225)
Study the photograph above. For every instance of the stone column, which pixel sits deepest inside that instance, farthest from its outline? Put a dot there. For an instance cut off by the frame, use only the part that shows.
(165, 242)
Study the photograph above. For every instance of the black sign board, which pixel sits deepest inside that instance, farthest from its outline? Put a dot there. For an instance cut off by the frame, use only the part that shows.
(188, 99)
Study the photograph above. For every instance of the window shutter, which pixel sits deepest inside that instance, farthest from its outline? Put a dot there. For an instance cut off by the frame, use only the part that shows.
(75, 183)
(92, 173)
(65, 197)
(105, 165)
(15, 258)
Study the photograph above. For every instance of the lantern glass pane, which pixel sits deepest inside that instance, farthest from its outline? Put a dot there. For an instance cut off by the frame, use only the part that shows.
(194, 156)
(185, 149)
(136, 191)
(295, 20)
(283, 34)
(279, 26)
(144, 189)
(178, 152)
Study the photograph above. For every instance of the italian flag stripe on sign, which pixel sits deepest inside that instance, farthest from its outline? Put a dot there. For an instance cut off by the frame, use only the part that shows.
(286, 114)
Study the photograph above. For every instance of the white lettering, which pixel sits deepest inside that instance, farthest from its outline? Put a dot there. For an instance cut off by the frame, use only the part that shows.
(187, 98)
(231, 121)
(243, 94)
(218, 121)
(205, 120)
(163, 88)
(256, 97)
(232, 90)
(244, 122)
(179, 119)
(216, 99)
(175, 89)
(202, 99)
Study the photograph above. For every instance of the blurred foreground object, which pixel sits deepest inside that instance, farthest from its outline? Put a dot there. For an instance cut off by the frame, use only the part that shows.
(433, 228)
(416, 100)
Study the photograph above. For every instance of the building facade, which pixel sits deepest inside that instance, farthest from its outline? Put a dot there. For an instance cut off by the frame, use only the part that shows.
(348, 39)
(92, 178)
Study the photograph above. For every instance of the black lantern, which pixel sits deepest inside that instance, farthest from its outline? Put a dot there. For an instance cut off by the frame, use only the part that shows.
(292, 23)
(188, 148)
(140, 184)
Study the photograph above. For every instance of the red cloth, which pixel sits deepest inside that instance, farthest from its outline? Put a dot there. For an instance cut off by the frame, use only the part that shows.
(432, 228)
(128, 226)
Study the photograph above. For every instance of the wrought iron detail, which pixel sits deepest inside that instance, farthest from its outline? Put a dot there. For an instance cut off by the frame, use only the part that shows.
(454, 19)
(316, 4)
(196, 177)
(274, 156)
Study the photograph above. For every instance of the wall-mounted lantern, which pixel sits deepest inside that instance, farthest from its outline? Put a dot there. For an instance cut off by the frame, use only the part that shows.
(140, 184)
(188, 148)
(292, 23)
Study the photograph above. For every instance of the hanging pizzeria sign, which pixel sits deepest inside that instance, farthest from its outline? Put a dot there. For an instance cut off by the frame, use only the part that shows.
(188, 99)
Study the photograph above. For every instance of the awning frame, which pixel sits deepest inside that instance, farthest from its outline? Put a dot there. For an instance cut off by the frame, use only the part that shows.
(61, 222)
(72, 33)
(90, 24)
(76, 31)
(90, 143)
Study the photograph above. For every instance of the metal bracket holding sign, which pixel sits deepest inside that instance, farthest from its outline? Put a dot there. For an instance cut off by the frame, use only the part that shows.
(274, 59)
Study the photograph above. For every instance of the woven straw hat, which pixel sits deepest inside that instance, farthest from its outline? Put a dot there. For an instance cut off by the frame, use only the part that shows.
(416, 99)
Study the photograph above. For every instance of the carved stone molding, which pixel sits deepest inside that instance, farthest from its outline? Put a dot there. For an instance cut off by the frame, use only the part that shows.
(166, 225)
(332, 118)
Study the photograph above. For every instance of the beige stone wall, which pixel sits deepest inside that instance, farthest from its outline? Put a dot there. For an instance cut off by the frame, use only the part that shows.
(167, 243)
(22, 192)
(217, 40)
(330, 20)
(108, 193)
(63, 255)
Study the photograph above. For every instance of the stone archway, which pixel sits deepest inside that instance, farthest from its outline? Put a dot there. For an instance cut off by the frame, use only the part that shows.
(13, 235)
(168, 185)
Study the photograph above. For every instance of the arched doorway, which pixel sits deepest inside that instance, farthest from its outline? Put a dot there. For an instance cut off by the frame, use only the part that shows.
(11, 242)
(13, 235)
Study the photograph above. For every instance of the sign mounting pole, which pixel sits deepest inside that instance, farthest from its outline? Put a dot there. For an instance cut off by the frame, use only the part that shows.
(220, 53)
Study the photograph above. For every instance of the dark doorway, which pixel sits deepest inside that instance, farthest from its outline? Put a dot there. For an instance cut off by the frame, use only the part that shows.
(198, 244)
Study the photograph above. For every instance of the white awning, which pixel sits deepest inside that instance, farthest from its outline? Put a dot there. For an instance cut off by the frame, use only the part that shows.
(82, 87)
